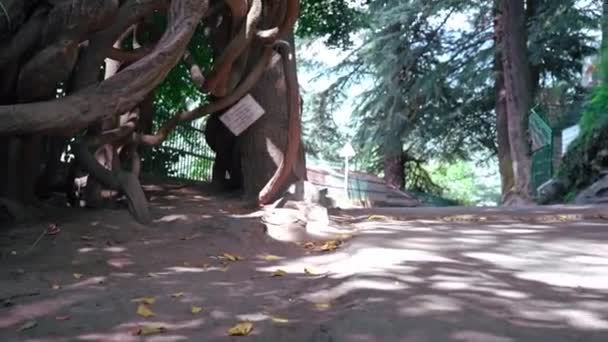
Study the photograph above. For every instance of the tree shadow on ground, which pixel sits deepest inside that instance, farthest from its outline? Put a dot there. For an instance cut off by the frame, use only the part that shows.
(423, 280)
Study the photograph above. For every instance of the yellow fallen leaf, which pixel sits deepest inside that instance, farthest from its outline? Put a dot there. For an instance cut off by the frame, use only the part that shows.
(311, 270)
(28, 325)
(195, 309)
(77, 275)
(322, 306)
(270, 257)
(279, 320)
(232, 257)
(241, 329)
(329, 245)
(147, 330)
(144, 311)
(377, 217)
(144, 300)
(279, 273)
(177, 295)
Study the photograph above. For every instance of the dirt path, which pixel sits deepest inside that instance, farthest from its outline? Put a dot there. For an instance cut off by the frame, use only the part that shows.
(440, 275)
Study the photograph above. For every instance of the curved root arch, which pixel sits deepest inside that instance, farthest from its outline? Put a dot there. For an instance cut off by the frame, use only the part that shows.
(88, 101)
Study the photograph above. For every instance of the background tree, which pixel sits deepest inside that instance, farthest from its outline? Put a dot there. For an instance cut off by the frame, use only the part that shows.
(444, 78)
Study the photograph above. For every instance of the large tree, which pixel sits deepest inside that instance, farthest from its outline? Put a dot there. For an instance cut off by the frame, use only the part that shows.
(52, 54)
(517, 92)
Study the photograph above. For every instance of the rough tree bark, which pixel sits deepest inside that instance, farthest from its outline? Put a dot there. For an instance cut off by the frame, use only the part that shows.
(518, 94)
(505, 163)
(394, 166)
(263, 145)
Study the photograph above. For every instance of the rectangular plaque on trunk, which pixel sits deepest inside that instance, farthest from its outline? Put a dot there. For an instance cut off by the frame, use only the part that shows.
(242, 115)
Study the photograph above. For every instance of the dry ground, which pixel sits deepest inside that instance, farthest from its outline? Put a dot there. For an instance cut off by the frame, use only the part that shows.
(538, 274)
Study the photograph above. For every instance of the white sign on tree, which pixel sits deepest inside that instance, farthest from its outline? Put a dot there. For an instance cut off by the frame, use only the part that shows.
(242, 115)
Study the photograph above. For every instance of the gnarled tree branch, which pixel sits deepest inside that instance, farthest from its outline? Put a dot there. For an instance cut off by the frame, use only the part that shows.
(274, 185)
(217, 81)
(214, 107)
(118, 94)
(276, 33)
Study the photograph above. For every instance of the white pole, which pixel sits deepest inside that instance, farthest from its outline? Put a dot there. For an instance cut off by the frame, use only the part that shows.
(346, 176)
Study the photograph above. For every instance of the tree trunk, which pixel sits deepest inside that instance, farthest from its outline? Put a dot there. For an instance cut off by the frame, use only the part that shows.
(517, 91)
(505, 163)
(394, 170)
(262, 145)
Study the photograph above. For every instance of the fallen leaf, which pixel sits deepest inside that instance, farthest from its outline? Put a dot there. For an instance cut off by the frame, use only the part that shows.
(144, 300)
(224, 269)
(28, 325)
(322, 306)
(329, 245)
(177, 295)
(311, 270)
(87, 238)
(232, 257)
(279, 320)
(63, 318)
(270, 257)
(56, 287)
(77, 275)
(147, 330)
(279, 273)
(377, 217)
(241, 329)
(153, 275)
(195, 309)
(144, 311)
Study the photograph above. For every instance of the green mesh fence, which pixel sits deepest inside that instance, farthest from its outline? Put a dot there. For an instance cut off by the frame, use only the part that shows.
(542, 150)
(185, 155)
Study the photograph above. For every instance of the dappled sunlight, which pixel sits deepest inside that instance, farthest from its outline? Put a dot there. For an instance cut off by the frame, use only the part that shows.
(88, 283)
(183, 269)
(477, 336)
(582, 319)
(388, 280)
(171, 218)
(351, 285)
(424, 305)
(115, 249)
(24, 312)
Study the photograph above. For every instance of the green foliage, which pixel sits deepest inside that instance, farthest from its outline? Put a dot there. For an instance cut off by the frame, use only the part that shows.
(175, 94)
(159, 161)
(587, 155)
(462, 182)
(333, 20)
(431, 82)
